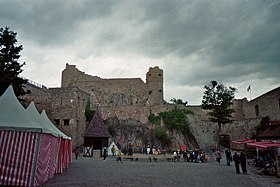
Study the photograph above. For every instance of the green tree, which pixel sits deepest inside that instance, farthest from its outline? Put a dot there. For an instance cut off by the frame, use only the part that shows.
(10, 68)
(174, 121)
(218, 99)
(89, 112)
(162, 136)
(154, 119)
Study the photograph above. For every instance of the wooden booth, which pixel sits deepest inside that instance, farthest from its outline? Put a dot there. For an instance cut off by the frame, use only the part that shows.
(96, 136)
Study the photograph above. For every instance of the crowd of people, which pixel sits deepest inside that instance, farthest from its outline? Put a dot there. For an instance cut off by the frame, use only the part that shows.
(264, 161)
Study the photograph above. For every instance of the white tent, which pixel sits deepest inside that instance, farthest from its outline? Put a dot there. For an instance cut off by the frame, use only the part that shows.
(46, 118)
(36, 117)
(110, 148)
(13, 115)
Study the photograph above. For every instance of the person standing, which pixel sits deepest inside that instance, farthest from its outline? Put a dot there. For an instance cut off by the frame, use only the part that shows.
(218, 156)
(119, 156)
(113, 149)
(236, 160)
(76, 153)
(243, 163)
(228, 156)
(148, 150)
(105, 153)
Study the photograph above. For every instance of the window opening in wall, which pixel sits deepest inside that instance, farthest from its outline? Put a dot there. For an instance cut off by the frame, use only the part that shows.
(66, 121)
(28, 92)
(159, 74)
(150, 92)
(57, 122)
(150, 74)
(257, 110)
(61, 101)
(159, 90)
(78, 100)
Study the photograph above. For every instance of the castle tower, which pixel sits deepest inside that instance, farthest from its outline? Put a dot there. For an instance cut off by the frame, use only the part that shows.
(154, 81)
(69, 76)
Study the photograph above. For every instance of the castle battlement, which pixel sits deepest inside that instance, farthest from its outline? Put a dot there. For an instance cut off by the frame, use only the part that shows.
(117, 91)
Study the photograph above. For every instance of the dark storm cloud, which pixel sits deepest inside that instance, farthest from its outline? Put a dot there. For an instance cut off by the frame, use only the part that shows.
(196, 40)
(52, 22)
(238, 38)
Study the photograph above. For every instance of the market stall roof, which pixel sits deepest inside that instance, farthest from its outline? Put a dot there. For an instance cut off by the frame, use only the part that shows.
(13, 115)
(31, 109)
(242, 141)
(46, 118)
(263, 145)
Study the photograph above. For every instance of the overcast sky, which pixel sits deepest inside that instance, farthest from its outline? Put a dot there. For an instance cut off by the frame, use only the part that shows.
(194, 41)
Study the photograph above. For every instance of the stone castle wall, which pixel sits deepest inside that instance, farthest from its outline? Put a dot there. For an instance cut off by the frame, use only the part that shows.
(117, 92)
(266, 105)
(39, 95)
(69, 104)
(132, 98)
(61, 105)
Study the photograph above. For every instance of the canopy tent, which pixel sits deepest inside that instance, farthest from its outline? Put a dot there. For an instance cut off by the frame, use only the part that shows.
(242, 141)
(34, 115)
(28, 146)
(263, 145)
(19, 142)
(110, 148)
(64, 145)
(13, 115)
(63, 149)
(46, 118)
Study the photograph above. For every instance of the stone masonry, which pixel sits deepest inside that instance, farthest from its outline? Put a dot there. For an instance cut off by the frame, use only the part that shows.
(133, 98)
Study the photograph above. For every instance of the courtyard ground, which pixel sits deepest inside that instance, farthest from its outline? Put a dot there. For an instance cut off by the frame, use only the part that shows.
(88, 171)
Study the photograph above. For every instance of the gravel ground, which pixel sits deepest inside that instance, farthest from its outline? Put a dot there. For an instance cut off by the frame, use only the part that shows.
(95, 172)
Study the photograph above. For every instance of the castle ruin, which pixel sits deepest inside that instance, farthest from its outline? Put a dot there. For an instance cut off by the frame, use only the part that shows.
(131, 98)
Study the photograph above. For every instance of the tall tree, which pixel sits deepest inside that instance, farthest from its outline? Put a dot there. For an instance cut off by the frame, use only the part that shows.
(10, 68)
(218, 99)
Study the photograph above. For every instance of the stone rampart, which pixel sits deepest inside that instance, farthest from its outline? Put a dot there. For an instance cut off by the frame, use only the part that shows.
(135, 99)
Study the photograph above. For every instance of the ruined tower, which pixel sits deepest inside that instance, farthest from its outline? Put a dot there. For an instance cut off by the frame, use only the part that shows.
(154, 81)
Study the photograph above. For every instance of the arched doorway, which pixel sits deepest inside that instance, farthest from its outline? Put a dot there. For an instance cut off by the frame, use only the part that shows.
(224, 140)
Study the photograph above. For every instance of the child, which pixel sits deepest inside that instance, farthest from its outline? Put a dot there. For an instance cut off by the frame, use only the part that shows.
(76, 152)
(119, 156)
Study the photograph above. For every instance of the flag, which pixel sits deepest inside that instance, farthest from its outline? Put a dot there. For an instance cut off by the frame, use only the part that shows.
(249, 88)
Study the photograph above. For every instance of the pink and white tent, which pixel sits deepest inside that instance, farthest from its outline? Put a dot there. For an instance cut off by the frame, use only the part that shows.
(29, 147)
(64, 146)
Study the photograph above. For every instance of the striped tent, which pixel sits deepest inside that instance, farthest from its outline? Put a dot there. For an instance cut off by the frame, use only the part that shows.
(64, 146)
(28, 145)
(49, 144)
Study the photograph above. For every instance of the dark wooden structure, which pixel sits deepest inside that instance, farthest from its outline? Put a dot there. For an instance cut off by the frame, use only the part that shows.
(96, 135)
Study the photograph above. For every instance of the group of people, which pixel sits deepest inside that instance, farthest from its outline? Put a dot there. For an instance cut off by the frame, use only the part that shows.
(153, 150)
(238, 159)
(117, 153)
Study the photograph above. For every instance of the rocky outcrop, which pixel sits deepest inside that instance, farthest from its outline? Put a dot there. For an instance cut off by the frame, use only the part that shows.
(126, 131)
